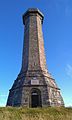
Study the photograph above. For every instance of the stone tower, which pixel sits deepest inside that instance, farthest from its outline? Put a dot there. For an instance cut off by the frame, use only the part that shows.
(34, 86)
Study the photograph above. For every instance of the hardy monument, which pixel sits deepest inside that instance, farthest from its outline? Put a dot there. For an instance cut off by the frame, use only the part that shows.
(34, 86)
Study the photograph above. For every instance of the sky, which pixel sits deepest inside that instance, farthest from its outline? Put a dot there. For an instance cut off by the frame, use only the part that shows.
(57, 32)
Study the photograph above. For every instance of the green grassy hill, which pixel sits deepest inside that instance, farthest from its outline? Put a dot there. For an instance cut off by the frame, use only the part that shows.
(51, 113)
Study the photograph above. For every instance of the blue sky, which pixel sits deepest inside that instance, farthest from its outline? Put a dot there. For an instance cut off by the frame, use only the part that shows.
(57, 30)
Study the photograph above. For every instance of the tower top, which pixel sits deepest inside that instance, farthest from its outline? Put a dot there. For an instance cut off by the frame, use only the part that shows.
(32, 11)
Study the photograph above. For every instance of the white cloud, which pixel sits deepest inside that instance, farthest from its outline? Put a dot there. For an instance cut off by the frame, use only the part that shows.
(68, 11)
(69, 70)
(3, 95)
(3, 100)
(65, 5)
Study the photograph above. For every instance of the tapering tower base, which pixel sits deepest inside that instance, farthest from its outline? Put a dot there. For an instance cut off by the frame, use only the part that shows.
(35, 89)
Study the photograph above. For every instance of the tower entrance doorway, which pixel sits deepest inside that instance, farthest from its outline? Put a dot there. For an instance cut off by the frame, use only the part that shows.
(36, 98)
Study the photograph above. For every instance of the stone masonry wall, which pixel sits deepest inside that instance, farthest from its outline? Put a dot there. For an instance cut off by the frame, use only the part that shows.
(34, 68)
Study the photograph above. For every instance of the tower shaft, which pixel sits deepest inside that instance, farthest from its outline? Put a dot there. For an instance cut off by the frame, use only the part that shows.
(33, 49)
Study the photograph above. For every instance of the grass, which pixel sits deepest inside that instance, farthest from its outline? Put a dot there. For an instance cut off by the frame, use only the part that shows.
(50, 113)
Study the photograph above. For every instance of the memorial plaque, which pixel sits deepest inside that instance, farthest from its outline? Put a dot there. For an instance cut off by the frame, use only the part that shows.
(34, 82)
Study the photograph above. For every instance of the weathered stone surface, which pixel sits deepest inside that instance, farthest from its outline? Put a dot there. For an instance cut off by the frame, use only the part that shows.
(34, 80)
